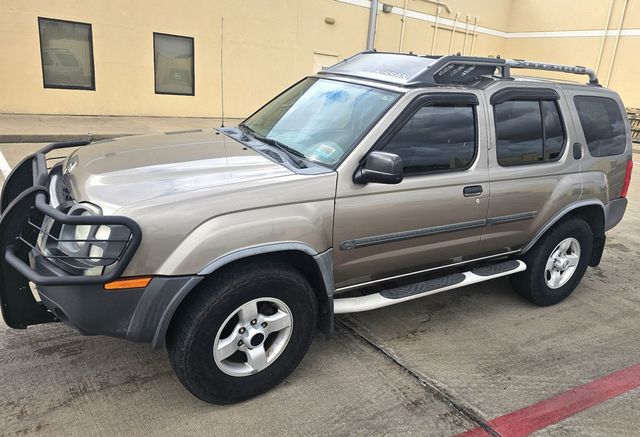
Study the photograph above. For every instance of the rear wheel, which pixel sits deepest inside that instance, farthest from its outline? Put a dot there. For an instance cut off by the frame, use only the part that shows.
(243, 333)
(556, 264)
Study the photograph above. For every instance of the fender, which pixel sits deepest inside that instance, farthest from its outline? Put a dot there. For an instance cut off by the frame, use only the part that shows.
(563, 212)
(323, 260)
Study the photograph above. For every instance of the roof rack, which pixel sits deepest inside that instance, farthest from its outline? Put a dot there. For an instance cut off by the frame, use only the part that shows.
(413, 70)
(531, 65)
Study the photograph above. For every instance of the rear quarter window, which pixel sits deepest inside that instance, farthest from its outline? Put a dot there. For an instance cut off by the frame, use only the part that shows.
(603, 125)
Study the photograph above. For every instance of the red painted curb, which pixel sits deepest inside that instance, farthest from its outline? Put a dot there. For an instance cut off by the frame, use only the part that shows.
(553, 410)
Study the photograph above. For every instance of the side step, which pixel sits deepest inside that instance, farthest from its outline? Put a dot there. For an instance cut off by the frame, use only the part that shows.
(426, 288)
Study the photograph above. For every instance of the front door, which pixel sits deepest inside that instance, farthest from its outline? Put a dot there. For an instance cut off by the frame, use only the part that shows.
(437, 214)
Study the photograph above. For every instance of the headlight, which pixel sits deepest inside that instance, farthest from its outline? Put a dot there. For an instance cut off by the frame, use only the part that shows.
(84, 249)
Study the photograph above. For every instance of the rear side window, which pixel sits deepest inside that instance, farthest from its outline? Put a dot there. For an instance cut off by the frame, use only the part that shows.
(602, 124)
(436, 138)
(528, 132)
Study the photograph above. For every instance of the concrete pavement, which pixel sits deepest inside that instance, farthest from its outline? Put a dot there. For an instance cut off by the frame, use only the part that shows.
(18, 128)
(436, 366)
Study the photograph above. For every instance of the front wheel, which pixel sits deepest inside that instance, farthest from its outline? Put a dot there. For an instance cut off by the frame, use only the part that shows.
(243, 332)
(556, 263)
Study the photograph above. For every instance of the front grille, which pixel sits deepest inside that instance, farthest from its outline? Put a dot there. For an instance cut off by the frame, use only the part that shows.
(66, 193)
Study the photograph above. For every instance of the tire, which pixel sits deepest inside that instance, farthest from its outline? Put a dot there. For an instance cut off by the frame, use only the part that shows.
(535, 283)
(211, 316)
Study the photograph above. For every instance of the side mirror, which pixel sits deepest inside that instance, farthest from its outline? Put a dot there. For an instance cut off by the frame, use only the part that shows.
(380, 167)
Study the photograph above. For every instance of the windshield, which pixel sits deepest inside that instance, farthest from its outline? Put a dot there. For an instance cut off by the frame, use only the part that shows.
(319, 118)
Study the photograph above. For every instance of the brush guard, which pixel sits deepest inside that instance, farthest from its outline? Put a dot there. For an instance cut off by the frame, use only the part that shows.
(24, 205)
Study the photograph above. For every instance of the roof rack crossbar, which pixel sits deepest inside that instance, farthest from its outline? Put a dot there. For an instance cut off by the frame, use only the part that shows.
(531, 65)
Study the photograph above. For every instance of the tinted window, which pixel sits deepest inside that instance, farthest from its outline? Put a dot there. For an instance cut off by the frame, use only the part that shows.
(518, 132)
(528, 132)
(67, 54)
(173, 57)
(603, 125)
(436, 138)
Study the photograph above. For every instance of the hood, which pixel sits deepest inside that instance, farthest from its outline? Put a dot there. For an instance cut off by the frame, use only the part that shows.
(123, 171)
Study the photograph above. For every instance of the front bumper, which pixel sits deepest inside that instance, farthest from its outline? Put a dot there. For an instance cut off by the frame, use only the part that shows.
(76, 299)
(135, 314)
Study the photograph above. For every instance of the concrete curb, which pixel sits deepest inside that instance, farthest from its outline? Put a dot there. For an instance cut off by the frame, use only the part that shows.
(53, 138)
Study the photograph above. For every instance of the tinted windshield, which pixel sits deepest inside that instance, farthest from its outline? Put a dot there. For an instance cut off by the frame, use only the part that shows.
(321, 118)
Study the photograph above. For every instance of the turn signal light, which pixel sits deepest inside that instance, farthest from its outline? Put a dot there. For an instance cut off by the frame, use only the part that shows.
(123, 284)
(627, 179)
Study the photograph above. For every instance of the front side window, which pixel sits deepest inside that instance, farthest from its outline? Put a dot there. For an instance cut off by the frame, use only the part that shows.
(603, 126)
(321, 119)
(528, 132)
(66, 51)
(436, 138)
(173, 61)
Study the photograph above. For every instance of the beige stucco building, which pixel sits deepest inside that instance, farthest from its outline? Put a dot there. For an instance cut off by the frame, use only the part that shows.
(145, 57)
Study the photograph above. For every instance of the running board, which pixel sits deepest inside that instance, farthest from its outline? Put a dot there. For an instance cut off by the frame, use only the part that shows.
(426, 288)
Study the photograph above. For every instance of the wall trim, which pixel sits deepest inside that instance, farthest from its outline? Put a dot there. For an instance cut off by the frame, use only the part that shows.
(461, 25)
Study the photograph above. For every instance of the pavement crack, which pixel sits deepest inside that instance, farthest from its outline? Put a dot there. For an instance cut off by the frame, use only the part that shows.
(358, 330)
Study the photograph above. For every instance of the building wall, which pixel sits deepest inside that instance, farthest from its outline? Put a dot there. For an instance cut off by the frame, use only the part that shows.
(268, 45)
(574, 20)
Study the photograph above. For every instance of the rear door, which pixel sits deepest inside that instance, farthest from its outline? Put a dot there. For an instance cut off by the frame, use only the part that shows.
(533, 171)
(436, 215)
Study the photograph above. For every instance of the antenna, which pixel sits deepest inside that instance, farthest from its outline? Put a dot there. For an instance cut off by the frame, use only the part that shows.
(222, 70)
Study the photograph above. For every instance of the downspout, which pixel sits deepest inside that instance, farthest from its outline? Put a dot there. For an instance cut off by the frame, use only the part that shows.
(604, 37)
(404, 19)
(615, 46)
(453, 32)
(435, 31)
(373, 18)
(474, 36)
(466, 35)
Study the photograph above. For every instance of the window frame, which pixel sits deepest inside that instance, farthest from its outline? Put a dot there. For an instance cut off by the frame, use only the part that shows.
(530, 95)
(91, 87)
(193, 65)
(431, 99)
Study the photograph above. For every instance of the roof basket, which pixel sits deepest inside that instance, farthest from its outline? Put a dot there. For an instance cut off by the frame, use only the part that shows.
(455, 69)
(413, 70)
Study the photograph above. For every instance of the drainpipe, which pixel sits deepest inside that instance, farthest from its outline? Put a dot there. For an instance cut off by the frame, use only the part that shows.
(435, 31)
(404, 19)
(604, 37)
(474, 36)
(373, 18)
(615, 46)
(466, 35)
(453, 32)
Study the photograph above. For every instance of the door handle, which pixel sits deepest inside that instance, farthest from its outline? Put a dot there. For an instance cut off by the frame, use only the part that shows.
(472, 191)
(577, 151)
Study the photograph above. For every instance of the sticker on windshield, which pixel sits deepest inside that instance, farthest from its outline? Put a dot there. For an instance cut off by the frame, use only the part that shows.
(325, 151)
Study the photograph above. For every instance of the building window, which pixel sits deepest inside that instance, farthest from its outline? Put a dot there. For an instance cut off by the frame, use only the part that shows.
(66, 49)
(173, 62)
(528, 132)
(436, 138)
(603, 126)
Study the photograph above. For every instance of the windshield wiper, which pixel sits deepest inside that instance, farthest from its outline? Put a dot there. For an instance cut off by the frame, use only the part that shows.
(292, 153)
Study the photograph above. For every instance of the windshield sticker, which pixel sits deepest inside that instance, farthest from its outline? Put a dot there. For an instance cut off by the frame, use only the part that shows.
(325, 151)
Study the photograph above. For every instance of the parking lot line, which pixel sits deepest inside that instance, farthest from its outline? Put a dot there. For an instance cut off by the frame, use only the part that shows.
(553, 410)
(5, 168)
